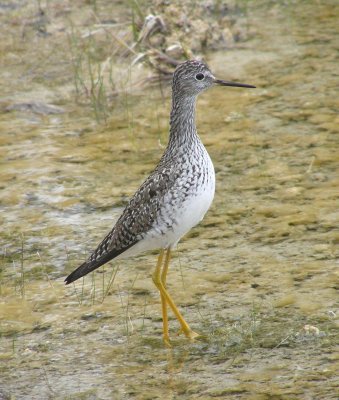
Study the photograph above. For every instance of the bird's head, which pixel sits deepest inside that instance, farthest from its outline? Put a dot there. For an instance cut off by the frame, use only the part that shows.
(193, 76)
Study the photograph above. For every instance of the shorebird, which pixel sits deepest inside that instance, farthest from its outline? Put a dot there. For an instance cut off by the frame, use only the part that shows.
(175, 196)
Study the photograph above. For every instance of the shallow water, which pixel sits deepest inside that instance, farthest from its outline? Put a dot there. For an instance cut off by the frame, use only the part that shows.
(257, 278)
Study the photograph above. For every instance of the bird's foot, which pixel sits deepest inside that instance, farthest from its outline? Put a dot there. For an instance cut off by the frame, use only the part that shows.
(167, 341)
(189, 333)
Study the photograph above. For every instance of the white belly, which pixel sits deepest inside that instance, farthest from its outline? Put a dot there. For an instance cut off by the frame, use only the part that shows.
(183, 218)
(192, 212)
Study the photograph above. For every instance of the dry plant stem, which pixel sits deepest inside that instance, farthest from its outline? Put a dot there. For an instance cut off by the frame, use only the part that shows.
(111, 281)
(116, 38)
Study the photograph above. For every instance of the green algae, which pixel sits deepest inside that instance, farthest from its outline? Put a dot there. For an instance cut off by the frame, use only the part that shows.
(257, 278)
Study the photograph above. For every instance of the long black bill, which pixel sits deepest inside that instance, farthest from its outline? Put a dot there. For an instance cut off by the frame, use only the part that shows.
(235, 84)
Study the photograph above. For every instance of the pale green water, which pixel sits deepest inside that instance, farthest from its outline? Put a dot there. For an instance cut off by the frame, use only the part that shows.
(261, 266)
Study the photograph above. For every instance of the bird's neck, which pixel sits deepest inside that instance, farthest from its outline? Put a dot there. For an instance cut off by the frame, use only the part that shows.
(183, 132)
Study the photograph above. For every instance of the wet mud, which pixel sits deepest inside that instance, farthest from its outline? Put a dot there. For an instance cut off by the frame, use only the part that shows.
(257, 278)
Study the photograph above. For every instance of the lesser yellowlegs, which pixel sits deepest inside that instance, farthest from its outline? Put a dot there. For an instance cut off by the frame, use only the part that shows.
(173, 199)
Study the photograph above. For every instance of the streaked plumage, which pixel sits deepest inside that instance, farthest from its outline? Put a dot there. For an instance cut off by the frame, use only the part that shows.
(176, 195)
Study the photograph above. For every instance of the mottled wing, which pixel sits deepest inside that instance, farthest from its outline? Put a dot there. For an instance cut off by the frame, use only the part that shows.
(136, 220)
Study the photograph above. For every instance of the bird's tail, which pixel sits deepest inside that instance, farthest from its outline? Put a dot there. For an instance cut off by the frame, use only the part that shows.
(94, 262)
(87, 267)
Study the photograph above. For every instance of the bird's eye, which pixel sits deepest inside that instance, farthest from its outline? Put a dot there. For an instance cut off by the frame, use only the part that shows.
(199, 77)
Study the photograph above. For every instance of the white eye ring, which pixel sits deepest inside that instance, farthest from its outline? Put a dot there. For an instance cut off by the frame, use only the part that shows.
(200, 77)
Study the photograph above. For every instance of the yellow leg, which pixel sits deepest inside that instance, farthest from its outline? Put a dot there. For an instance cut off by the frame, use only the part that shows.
(165, 269)
(163, 300)
(157, 273)
(159, 280)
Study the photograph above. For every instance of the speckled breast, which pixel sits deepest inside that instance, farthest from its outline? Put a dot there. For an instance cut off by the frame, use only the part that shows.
(188, 200)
